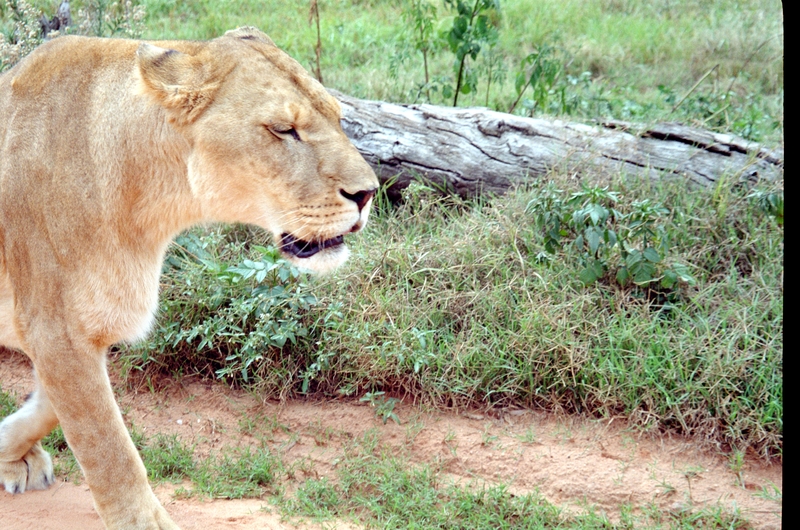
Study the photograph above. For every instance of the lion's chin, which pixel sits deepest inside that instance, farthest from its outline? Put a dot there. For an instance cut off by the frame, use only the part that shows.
(316, 256)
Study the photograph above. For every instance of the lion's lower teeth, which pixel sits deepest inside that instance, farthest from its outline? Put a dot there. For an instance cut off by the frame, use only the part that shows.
(306, 249)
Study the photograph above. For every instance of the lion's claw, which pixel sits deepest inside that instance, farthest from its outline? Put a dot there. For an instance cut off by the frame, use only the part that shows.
(33, 472)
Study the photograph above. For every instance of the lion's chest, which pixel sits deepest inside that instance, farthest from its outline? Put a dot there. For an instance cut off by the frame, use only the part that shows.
(117, 302)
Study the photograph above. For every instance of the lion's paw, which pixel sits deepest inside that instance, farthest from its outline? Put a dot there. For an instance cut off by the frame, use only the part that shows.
(33, 472)
(146, 514)
(165, 523)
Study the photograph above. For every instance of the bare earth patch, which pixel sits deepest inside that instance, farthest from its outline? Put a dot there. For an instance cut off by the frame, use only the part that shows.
(571, 462)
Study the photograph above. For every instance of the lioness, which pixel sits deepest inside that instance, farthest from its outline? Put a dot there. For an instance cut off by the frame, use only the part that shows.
(108, 148)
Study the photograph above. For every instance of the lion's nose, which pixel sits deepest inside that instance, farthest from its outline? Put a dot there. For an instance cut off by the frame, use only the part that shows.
(361, 198)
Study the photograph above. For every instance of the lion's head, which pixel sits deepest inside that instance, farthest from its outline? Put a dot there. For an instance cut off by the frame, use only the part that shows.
(267, 147)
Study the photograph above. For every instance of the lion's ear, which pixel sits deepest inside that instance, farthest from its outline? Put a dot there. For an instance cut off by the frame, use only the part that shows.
(180, 82)
(249, 33)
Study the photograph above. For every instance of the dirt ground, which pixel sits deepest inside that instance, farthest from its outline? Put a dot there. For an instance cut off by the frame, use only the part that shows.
(572, 462)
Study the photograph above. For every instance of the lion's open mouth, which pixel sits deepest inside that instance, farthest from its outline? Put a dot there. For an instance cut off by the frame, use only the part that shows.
(305, 249)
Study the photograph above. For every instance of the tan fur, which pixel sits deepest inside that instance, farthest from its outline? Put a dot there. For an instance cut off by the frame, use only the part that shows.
(108, 148)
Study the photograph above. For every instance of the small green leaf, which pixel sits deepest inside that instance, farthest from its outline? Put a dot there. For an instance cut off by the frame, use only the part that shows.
(670, 278)
(633, 259)
(643, 273)
(588, 276)
(597, 213)
(520, 82)
(652, 255)
(593, 238)
(610, 237)
(592, 272)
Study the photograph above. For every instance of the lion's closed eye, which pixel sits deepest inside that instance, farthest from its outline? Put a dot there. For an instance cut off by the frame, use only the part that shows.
(284, 131)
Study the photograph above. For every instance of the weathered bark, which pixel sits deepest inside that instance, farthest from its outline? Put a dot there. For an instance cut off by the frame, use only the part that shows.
(470, 150)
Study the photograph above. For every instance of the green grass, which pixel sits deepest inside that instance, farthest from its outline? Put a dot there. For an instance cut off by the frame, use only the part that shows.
(379, 490)
(165, 457)
(639, 58)
(8, 403)
(375, 486)
(238, 473)
(232, 473)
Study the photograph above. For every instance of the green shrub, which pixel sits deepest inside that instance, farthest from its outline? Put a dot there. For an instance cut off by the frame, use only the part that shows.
(632, 245)
(233, 322)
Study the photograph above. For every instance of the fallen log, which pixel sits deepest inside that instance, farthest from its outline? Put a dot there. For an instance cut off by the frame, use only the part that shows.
(473, 150)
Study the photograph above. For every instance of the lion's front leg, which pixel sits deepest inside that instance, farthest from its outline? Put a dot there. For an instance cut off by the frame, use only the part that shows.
(78, 387)
(24, 465)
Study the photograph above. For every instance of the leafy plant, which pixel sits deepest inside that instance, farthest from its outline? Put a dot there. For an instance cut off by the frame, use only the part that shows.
(101, 18)
(632, 244)
(539, 70)
(494, 67)
(770, 202)
(471, 31)
(234, 320)
(592, 220)
(419, 16)
(111, 18)
(384, 408)
(24, 34)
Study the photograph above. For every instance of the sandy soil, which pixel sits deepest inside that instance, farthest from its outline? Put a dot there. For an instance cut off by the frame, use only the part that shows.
(570, 461)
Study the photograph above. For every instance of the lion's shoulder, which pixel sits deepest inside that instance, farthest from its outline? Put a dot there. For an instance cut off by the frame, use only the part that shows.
(66, 62)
